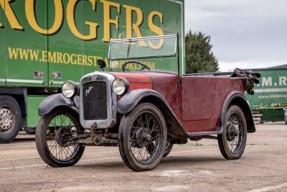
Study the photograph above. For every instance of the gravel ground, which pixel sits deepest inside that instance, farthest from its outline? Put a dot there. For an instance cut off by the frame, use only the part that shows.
(195, 166)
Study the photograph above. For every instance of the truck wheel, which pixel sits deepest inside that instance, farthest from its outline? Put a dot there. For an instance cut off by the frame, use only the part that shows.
(54, 138)
(142, 137)
(168, 148)
(10, 119)
(233, 139)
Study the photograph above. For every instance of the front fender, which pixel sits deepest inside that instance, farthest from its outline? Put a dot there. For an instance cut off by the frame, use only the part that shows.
(130, 100)
(57, 100)
(238, 98)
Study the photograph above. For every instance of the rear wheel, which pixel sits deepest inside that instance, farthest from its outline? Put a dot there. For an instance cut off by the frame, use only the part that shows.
(54, 138)
(10, 119)
(232, 141)
(142, 137)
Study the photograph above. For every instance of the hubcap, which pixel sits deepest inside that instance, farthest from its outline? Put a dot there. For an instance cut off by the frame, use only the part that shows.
(6, 119)
(61, 137)
(232, 132)
(143, 137)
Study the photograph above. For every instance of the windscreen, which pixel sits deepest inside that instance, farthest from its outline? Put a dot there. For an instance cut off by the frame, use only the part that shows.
(157, 53)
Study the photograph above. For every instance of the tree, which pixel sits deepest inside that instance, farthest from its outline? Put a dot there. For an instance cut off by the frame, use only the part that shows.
(199, 57)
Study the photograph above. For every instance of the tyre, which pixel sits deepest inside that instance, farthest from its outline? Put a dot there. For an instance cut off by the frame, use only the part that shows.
(142, 137)
(168, 148)
(10, 119)
(54, 138)
(232, 141)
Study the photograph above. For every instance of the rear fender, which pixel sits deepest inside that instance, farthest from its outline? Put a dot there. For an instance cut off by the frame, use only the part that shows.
(237, 98)
(55, 101)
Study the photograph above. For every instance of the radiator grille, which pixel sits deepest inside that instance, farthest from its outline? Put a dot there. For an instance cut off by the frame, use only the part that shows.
(95, 100)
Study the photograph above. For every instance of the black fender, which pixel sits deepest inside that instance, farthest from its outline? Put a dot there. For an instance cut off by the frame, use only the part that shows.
(57, 100)
(130, 100)
(238, 98)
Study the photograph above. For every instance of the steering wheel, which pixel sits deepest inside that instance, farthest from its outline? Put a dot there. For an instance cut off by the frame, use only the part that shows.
(137, 62)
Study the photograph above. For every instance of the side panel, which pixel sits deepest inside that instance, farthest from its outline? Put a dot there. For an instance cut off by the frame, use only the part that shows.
(96, 48)
(65, 50)
(2, 45)
(270, 96)
(271, 93)
(24, 46)
(32, 109)
(202, 101)
(198, 95)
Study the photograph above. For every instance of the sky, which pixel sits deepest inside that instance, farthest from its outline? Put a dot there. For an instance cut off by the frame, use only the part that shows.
(244, 33)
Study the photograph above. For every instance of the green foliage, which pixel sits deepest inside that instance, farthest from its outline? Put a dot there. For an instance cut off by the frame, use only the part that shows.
(199, 57)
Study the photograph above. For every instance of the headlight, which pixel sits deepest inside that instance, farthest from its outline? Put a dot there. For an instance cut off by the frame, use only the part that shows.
(120, 86)
(69, 89)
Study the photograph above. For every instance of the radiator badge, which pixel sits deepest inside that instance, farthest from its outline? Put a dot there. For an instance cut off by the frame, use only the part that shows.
(89, 90)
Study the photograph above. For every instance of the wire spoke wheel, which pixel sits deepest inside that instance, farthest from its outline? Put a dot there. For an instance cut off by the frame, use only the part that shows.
(234, 133)
(233, 139)
(142, 137)
(55, 139)
(59, 134)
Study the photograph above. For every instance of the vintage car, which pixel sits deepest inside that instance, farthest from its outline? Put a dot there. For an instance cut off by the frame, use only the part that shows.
(144, 105)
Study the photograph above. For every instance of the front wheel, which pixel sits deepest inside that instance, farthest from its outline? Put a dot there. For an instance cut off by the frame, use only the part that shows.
(232, 141)
(142, 137)
(55, 141)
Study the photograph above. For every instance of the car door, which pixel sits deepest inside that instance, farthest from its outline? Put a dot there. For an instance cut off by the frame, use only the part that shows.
(198, 95)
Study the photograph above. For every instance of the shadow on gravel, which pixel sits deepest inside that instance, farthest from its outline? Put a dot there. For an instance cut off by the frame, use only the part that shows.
(103, 166)
(22, 139)
(195, 160)
(170, 161)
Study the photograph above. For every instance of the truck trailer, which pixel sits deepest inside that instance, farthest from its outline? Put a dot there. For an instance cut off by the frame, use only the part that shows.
(270, 98)
(46, 42)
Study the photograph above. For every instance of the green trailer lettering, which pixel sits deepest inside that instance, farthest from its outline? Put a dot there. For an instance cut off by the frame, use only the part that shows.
(108, 21)
(10, 15)
(282, 80)
(32, 20)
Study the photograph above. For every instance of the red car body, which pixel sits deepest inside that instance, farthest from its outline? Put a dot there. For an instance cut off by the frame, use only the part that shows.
(196, 101)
